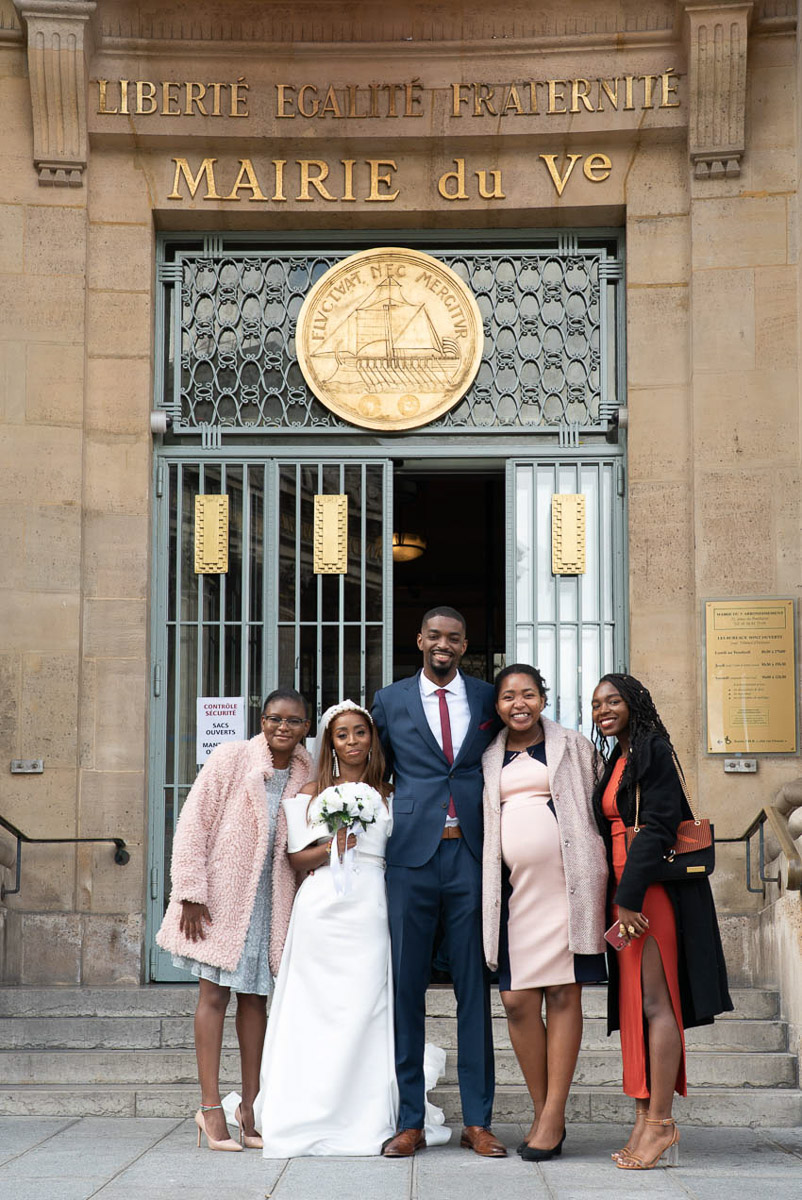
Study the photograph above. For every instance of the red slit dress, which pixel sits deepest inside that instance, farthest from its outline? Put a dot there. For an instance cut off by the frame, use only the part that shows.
(657, 908)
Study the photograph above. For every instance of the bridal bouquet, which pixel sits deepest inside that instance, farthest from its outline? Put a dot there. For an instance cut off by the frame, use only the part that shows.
(346, 805)
(351, 806)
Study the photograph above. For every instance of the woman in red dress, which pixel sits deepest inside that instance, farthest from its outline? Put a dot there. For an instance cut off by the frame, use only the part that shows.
(671, 974)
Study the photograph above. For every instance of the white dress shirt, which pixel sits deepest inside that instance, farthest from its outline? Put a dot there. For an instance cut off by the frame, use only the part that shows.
(459, 713)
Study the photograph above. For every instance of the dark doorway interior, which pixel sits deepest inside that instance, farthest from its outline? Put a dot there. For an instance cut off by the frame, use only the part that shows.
(461, 518)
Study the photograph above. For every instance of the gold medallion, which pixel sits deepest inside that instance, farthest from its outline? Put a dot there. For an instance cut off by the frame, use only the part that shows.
(389, 339)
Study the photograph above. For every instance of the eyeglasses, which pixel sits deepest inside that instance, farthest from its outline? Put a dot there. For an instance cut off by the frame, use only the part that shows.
(277, 722)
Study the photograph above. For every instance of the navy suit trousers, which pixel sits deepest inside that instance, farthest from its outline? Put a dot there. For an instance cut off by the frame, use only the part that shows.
(449, 884)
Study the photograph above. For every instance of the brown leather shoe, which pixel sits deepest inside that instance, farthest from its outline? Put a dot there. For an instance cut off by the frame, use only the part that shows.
(482, 1141)
(404, 1144)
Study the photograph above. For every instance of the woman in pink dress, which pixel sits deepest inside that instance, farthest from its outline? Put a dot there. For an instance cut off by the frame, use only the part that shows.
(543, 893)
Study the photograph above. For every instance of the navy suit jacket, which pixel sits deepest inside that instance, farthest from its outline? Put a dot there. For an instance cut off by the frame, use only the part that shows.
(423, 777)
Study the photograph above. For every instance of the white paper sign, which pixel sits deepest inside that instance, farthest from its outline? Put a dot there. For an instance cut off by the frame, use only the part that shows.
(219, 719)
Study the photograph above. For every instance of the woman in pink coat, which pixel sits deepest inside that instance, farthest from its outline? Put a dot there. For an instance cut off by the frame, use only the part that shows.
(233, 889)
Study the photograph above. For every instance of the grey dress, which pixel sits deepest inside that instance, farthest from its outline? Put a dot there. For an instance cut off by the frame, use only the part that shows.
(252, 972)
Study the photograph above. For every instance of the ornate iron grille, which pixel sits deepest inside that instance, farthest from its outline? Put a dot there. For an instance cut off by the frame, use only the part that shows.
(548, 357)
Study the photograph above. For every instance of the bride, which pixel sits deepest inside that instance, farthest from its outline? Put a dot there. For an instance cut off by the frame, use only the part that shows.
(328, 1078)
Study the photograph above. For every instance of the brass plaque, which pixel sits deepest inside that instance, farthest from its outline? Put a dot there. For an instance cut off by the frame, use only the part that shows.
(750, 675)
(567, 534)
(211, 535)
(389, 339)
(331, 535)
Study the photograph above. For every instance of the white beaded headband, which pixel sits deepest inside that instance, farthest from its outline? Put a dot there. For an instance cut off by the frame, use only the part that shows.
(343, 707)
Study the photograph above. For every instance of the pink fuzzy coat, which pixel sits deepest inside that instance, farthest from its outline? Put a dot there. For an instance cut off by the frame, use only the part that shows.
(219, 849)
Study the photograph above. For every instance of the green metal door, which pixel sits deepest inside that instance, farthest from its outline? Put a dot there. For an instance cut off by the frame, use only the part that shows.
(268, 620)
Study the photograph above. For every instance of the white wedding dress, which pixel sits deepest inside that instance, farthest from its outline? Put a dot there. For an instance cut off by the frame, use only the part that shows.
(328, 1075)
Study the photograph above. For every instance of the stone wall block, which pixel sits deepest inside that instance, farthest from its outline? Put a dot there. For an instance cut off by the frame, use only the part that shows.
(776, 317)
(657, 336)
(112, 949)
(746, 418)
(10, 684)
(52, 538)
(743, 232)
(122, 700)
(120, 258)
(115, 628)
(118, 189)
(113, 804)
(40, 622)
(659, 533)
(41, 805)
(40, 464)
(118, 324)
(119, 402)
(116, 555)
(48, 728)
(724, 320)
(658, 441)
(51, 948)
(117, 474)
(47, 880)
(658, 250)
(735, 543)
(12, 382)
(55, 240)
(104, 886)
(86, 715)
(11, 240)
(772, 106)
(34, 313)
(54, 384)
(11, 962)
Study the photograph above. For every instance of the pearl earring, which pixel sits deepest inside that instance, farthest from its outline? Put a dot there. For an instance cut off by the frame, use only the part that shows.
(335, 764)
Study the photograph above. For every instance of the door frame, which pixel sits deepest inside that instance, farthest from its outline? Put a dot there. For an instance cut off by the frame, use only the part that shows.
(459, 450)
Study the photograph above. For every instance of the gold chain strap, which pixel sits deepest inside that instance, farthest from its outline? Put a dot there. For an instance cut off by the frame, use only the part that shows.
(685, 793)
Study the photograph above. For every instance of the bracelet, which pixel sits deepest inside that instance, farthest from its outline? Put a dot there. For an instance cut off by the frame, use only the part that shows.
(329, 845)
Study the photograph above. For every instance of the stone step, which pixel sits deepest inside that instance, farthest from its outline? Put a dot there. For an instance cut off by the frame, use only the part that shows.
(178, 1000)
(756, 1069)
(177, 1033)
(743, 1108)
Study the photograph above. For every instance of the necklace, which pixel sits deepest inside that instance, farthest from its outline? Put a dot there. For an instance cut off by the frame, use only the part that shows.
(536, 742)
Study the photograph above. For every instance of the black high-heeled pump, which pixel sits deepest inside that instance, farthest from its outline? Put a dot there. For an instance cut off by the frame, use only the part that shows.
(533, 1154)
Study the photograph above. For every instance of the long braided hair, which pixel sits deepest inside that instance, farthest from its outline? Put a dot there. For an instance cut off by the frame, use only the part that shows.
(644, 720)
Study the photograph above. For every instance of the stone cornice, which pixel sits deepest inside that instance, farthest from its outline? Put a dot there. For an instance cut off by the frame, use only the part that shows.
(716, 35)
(57, 47)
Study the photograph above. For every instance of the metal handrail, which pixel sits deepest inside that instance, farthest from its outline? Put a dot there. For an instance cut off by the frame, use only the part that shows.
(121, 855)
(779, 827)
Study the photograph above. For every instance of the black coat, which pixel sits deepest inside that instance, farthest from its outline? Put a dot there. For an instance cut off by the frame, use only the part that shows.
(700, 958)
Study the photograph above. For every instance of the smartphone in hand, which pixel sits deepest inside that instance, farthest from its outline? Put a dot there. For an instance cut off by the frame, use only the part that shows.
(613, 936)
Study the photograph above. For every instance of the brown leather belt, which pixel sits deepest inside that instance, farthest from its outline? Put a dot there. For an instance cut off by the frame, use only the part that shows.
(452, 831)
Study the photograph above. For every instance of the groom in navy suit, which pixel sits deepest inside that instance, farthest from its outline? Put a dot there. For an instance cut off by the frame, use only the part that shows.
(434, 729)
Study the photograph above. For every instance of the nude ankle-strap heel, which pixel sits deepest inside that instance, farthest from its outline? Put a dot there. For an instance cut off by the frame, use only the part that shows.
(668, 1156)
(213, 1143)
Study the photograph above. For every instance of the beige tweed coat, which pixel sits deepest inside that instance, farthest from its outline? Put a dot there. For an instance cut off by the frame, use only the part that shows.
(219, 847)
(569, 756)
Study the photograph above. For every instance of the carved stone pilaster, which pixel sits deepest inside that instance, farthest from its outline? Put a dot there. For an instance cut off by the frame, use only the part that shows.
(58, 79)
(716, 34)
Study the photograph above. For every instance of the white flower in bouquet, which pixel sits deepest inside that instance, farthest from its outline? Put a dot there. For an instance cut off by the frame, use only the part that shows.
(346, 805)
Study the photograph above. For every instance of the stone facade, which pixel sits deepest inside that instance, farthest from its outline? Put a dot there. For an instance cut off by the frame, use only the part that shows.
(703, 178)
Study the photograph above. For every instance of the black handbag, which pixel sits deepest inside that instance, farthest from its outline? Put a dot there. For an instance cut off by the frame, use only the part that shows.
(694, 851)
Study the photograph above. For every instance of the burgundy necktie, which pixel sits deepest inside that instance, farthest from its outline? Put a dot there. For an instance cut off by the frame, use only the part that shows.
(448, 745)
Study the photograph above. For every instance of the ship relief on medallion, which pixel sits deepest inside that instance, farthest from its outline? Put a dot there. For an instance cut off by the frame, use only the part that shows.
(389, 339)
